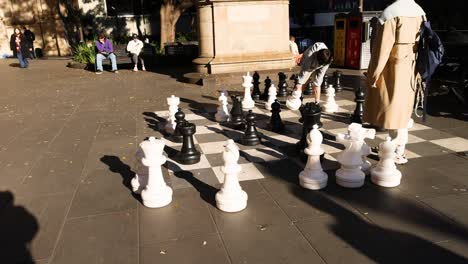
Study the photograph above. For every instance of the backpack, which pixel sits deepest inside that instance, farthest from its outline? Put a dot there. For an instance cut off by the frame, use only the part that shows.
(430, 53)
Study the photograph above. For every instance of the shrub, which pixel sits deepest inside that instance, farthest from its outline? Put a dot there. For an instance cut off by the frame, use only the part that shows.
(84, 53)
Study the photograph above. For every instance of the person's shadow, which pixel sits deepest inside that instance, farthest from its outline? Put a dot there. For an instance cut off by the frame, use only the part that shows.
(17, 229)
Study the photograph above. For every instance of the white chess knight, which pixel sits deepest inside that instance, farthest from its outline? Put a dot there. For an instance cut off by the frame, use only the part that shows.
(313, 177)
(330, 105)
(231, 197)
(156, 193)
(350, 174)
(366, 149)
(173, 103)
(294, 100)
(271, 97)
(247, 103)
(223, 115)
(385, 173)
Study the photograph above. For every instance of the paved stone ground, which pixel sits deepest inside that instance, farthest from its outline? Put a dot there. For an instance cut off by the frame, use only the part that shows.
(68, 143)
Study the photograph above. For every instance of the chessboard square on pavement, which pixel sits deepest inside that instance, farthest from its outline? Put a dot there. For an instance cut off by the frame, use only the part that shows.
(455, 144)
(187, 179)
(175, 166)
(263, 155)
(208, 129)
(249, 172)
(208, 138)
(212, 147)
(216, 159)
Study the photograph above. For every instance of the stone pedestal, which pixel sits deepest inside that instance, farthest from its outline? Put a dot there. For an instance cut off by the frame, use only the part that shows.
(240, 35)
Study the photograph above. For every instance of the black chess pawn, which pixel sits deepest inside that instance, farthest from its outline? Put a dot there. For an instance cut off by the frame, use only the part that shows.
(256, 93)
(276, 124)
(337, 75)
(237, 116)
(356, 117)
(311, 114)
(189, 153)
(308, 90)
(180, 119)
(267, 88)
(325, 84)
(251, 136)
(282, 85)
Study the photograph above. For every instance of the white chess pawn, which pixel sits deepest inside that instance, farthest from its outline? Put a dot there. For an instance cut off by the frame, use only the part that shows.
(156, 193)
(330, 105)
(385, 172)
(223, 115)
(294, 100)
(247, 103)
(271, 97)
(313, 177)
(173, 103)
(350, 174)
(231, 197)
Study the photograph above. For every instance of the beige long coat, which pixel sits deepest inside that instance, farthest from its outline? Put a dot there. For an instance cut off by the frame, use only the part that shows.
(391, 74)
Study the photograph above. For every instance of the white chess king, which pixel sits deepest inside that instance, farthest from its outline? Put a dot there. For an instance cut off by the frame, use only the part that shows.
(156, 193)
(313, 177)
(231, 197)
(247, 103)
(385, 173)
(173, 103)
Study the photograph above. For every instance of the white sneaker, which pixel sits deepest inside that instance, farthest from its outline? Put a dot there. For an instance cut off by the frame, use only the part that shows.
(135, 69)
(143, 68)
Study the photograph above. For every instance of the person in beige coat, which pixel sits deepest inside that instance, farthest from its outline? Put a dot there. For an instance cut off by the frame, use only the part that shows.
(391, 74)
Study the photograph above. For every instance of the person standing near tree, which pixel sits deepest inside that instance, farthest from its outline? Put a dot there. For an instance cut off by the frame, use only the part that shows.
(392, 75)
(20, 48)
(30, 37)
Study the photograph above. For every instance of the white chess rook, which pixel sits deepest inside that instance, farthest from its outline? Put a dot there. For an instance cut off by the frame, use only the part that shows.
(156, 193)
(294, 100)
(231, 197)
(271, 97)
(173, 103)
(247, 103)
(385, 173)
(350, 174)
(223, 115)
(330, 105)
(313, 177)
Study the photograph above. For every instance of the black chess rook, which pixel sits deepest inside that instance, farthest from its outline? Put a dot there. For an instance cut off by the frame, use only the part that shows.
(282, 85)
(180, 119)
(237, 116)
(188, 154)
(276, 124)
(251, 136)
(256, 93)
(356, 117)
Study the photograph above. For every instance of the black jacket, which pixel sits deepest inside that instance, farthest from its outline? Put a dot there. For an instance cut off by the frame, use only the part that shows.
(24, 45)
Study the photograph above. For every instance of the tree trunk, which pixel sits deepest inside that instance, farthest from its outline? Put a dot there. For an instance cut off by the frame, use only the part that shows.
(169, 16)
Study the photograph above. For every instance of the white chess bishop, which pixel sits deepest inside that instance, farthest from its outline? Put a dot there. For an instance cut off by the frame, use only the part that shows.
(350, 174)
(271, 97)
(156, 193)
(313, 177)
(231, 197)
(330, 105)
(173, 103)
(247, 103)
(385, 173)
(223, 115)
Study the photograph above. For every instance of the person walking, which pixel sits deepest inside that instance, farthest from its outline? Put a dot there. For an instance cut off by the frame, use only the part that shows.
(105, 50)
(30, 37)
(391, 75)
(20, 48)
(134, 48)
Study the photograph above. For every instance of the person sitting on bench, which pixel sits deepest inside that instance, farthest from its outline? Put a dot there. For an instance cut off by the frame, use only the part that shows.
(105, 51)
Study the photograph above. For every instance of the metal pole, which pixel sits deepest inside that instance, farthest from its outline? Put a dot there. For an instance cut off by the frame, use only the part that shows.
(361, 5)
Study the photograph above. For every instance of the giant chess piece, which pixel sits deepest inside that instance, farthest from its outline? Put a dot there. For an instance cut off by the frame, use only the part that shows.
(231, 197)
(356, 117)
(337, 75)
(180, 119)
(271, 97)
(282, 85)
(308, 90)
(251, 136)
(311, 114)
(189, 153)
(173, 103)
(294, 101)
(256, 93)
(267, 88)
(313, 177)
(350, 174)
(222, 115)
(237, 116)
(155, 192)
(385, 173)
(330, 105)
(247, 102)
(276, 124)
(324, 84)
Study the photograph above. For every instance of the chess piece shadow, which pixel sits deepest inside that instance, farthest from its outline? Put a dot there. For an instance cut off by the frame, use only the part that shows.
(117, 166)
(18, 227)
(154, 122)
(195, 106)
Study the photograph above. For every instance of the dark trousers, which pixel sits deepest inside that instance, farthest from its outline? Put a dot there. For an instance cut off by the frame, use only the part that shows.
(135, 58)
